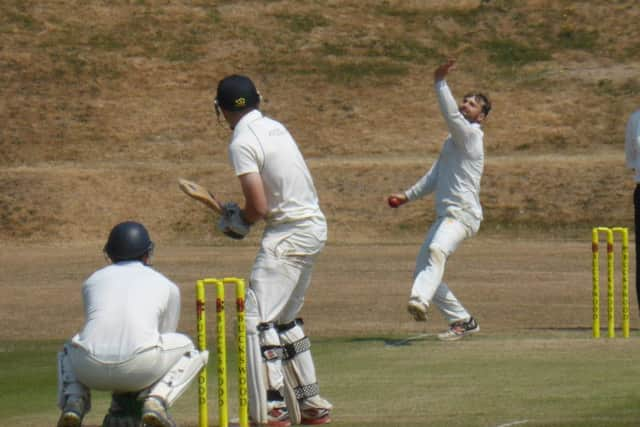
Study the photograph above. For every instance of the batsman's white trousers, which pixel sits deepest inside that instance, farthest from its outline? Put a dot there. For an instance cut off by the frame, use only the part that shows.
(280, 278)
(83, 371)
(442, 240)
(281, 273)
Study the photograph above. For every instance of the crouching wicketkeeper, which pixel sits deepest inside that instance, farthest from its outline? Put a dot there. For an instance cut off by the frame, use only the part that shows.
(129, 344)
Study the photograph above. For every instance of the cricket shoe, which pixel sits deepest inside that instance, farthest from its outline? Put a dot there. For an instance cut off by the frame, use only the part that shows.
(278, 417)
(460, 329)
(417, 309)
(154, 414)
(72, 413)
(315, 416)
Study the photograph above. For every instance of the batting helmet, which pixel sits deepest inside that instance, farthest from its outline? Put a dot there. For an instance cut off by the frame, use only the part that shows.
(236, 93)
(128, 240)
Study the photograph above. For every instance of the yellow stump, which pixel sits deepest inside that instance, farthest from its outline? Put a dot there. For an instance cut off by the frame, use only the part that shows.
(595, 238)
(624, 236)
(611, 314)
(221, 351)
(243, 390)
(595, 275)
(201, 315)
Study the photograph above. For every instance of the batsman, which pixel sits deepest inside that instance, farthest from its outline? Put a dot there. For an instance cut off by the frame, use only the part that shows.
(278, 189)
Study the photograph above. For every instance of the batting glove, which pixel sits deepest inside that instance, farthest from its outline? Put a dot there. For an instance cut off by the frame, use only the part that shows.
(231, 223)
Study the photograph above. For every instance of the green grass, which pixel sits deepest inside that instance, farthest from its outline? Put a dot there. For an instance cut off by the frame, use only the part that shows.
(302, 23)
(548, 379)
(608, 88)
(336, 49)
(361, 70)
(27, 370)
(17, 15)
(148, 31)
(406, 50)
(570, 38)
(510, 53)
(468, 17)
(631, 51)
(29, 383)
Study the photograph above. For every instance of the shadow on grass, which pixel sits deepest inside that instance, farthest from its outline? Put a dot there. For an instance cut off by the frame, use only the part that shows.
(395, 342)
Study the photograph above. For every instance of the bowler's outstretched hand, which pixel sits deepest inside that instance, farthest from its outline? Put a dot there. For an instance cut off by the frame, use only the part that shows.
(442, 71)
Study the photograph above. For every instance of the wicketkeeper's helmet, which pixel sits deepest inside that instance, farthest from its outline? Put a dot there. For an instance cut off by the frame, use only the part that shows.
(236, 93)
(128, 240)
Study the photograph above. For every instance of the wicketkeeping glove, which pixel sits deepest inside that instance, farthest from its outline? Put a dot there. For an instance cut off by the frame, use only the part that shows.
(231, 222)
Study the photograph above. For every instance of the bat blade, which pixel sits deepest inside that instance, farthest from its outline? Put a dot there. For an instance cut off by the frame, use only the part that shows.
(201, 194)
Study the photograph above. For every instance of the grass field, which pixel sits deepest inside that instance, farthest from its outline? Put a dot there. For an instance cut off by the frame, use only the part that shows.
(552, 379)
(534, 361)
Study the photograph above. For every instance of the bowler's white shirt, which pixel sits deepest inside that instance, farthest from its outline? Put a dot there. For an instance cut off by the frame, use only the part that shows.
(456, 174)
(632, 144)
(127, 306)
(264, 146)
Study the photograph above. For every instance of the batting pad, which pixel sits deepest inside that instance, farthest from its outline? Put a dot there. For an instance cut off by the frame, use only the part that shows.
(298, 363)
(293, 404)
(174, 383)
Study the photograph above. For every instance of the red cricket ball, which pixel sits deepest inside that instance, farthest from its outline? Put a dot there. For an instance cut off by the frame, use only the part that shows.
(394, 202)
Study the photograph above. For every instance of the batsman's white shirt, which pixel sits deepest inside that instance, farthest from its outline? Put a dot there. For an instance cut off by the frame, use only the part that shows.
(264, 146)
(128, 306)
(632, 144)
(456, 174)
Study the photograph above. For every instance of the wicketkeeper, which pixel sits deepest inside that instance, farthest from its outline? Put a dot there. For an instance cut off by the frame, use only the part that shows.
(129, 344)
(455, 180)
(278, 189)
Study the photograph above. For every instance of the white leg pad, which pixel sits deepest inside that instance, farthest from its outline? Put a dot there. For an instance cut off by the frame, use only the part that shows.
(299, 368)
(255, 364)
(292, 400)
(272, 356)
(171, 386)
(68, 385)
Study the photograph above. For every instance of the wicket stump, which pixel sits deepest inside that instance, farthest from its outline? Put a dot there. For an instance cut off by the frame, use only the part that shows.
(221, 352)
(595, 269)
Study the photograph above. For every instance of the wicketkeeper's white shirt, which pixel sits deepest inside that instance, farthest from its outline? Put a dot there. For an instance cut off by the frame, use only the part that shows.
(456, 174)
(127, 306)
(264, 146)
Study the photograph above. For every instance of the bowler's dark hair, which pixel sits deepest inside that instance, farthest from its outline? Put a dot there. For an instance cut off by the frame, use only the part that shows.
(482, 99)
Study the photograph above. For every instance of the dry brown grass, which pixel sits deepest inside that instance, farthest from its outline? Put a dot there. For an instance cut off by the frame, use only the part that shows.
(105, 104)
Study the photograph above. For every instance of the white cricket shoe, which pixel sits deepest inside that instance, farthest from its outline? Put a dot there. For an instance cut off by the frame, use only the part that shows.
(417, 309)
(315, 416)
(460, 329)
(315, 411)
(278, 417)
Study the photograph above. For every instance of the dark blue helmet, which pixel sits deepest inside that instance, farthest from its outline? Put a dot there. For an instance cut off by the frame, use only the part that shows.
(236, 93)
(127, 241)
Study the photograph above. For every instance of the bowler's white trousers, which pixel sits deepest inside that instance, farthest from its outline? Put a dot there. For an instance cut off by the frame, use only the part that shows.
(443, 238)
